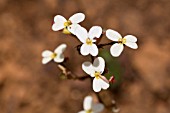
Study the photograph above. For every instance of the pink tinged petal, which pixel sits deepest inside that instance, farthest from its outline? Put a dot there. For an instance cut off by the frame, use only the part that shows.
(131, 45)
(88, 68)
(59, 58)
(104, 79)
(99, 64)
(73, 27)
(87, 104)
(77, 18)
(81, 34)
(116, 49)
(46, 53)
(95, 32)
(113, 35)
(45, 60)
(97, 108)
(93, 50)
(130, 38)
(84, 49)
(103, 84)
(58, 23)
(96, 85)
(82, 112)
(60, 49)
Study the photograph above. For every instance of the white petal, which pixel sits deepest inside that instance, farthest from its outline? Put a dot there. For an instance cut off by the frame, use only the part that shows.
(77, 18)
(95, 32)
(93, 50)
(96, 85)
(99, 64)
(97, 108)
(46, 53)
(130, 38)
(45, 60)
(116, 49)
(81, 34)
(60, 49)
(131, 45)
(82, 112)
(58, 23)
(103, 84)
(113, 35)
(87, 104)
(73, 27)
(59, 58)
(88, 68)
(84, 49)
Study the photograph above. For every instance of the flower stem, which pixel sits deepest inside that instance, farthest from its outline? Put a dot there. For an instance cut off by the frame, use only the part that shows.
(70, 75)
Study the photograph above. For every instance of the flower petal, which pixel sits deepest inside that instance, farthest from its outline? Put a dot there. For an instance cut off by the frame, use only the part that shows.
(81, 34)
(93, 50)
(87, 104)
(60, 49)
(99, 64)
(59, 58)
(130, 38)
(77, 18)
(103, 84)
(116, 49)
(131, 45)
(95, 32)
(82, 112)
(88, 68)
(84, 49)
(58, 23)
(113, 35)
(96, 85)
(46, 53)
(45, 60)
(97, 108)
(73, 27)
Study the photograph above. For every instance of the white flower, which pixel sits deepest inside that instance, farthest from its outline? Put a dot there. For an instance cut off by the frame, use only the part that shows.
(57, 55)
(90, 107)
(128, 40)
(69, 26)
(95, 70)
(87, 38)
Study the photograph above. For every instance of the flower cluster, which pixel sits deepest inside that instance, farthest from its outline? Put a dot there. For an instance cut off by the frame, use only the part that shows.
(88, 46)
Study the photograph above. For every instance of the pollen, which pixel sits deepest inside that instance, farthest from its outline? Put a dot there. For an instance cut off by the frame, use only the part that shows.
(122, 40)
(66, 24)
(89, 41)
(53, 55)
(97, 75)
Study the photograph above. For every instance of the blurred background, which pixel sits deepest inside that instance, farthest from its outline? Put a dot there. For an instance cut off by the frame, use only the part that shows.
(142, 76)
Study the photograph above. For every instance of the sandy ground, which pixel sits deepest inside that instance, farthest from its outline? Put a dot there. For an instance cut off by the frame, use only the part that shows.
(27, 86)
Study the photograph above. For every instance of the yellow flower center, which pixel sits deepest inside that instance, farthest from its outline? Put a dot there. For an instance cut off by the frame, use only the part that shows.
(122, 40)
(97, 75)
(89, 41)
(53, 55)
(66, 24)
(89, 111)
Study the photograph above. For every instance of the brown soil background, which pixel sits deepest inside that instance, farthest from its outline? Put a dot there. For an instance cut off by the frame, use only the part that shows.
(27, 86)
